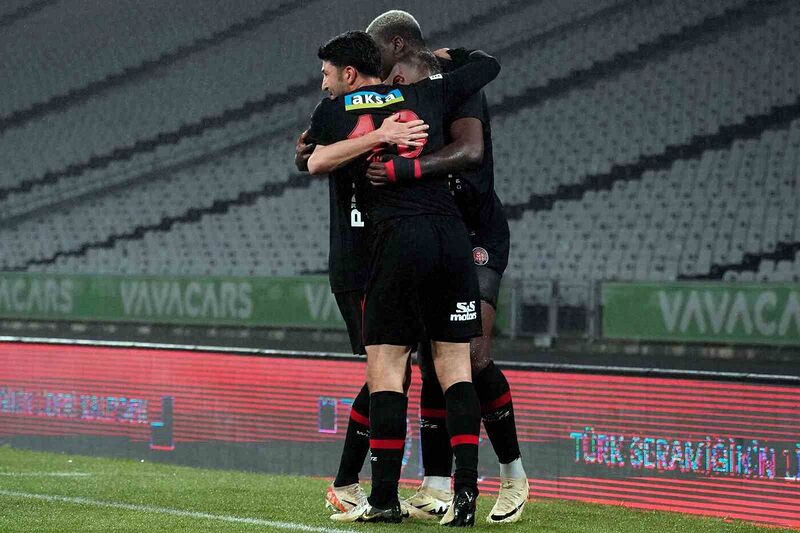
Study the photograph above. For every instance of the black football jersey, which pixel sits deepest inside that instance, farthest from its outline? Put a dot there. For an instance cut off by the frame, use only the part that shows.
(474, 190)
(432, 100)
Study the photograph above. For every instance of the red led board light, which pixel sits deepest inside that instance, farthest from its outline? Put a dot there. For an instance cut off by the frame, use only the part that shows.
(706, 447)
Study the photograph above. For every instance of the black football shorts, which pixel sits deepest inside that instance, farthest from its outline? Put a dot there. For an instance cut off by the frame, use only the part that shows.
(349, 303)
(490, 248)
(422, 282)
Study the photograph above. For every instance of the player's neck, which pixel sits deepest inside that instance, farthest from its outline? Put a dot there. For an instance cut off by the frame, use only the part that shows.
(365, 82)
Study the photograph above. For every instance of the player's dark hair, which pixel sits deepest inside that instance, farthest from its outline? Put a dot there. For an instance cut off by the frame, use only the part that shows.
(353, 49)
(396, 23)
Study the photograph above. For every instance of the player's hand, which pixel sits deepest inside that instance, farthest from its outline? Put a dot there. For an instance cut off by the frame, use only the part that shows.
(393, 169)
(376, 173)
(412, 133)
(459, 56)
(302, 152)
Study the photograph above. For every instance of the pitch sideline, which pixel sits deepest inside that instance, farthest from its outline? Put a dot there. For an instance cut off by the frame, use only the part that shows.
(291, 526)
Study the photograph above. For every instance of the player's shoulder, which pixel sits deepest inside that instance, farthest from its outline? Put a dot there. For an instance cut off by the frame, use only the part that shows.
(326, 108)
(427, 84)
(327, 104)
(446, 65)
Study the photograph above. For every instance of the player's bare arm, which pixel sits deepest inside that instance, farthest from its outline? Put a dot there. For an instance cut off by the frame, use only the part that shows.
(325, 159)
(464, 153)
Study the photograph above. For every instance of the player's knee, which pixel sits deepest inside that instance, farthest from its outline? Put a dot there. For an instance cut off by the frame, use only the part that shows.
(384, 382)
(449, 379)
(386, 368)
(480, 354)
(479, 365)
(454, 369)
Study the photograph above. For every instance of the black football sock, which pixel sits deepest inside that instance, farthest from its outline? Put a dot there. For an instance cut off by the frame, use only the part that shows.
(356, 442)
(464, 425)
(497, 411)
(437, 456)
(387, 441)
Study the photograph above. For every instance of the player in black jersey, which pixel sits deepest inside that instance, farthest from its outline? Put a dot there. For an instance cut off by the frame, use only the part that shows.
(420, 280)
(348, 260)
(401, 42)
(399, 36)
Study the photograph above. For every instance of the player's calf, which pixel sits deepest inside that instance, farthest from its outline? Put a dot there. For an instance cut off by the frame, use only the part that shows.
(497, 411)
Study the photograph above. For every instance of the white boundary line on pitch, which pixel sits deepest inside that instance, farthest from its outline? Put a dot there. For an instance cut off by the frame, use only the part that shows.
(45, 474)
(174, 512)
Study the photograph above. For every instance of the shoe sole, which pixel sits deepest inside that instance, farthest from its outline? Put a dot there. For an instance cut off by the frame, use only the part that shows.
(509, 519)
(360, 520)
(384, 521)
(461, 521)
(421, 514)
(464, 523)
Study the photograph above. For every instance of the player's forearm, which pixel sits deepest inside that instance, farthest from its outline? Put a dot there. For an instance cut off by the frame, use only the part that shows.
(326, 159)
(457, 156)
(478, 70)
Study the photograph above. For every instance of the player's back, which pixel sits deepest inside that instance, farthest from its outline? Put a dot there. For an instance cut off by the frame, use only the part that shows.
(365, 111)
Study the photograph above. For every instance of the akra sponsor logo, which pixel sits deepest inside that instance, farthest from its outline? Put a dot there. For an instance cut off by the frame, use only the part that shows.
(464, 311)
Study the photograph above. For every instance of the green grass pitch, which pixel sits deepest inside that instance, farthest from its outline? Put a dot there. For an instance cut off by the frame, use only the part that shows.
(46, 492)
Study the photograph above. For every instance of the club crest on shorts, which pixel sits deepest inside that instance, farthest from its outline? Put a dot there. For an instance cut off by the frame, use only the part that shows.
(480, 256)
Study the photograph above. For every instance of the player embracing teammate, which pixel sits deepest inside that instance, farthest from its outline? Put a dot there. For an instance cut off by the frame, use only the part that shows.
(422, 281)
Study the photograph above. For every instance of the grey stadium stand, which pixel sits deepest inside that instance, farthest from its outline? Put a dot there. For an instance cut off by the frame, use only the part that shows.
(633, 141)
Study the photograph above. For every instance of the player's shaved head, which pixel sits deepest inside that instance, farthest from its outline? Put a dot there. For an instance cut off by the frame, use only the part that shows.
(414, 67)
(397, 34)
(396, 23)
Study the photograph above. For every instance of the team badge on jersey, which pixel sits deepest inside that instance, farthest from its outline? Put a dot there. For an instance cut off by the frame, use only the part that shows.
(371, 99)
(480, 256)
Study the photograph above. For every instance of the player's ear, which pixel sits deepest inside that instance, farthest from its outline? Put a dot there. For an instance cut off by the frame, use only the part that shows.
(349, 74)
(398, 45)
